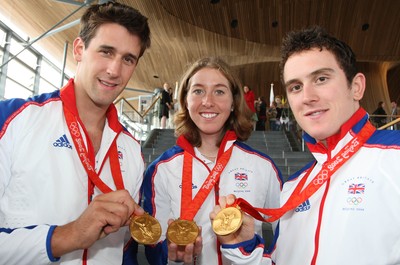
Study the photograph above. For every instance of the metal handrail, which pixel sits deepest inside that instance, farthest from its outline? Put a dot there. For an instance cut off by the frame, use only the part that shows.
(389, 124)
(139, 124)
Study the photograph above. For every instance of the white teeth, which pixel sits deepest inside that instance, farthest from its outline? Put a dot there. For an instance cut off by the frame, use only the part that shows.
(107, 84)
(208, 115)
(315, 113)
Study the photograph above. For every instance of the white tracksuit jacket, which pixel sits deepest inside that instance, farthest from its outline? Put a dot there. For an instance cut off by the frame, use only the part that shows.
(353, 219)
(43, 183)
(260, 184)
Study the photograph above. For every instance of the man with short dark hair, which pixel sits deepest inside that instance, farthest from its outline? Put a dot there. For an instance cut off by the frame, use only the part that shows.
(342, 208)
(69, 172)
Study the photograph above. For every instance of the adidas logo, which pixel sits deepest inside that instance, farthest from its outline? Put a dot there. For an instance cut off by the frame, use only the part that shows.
(62, 142)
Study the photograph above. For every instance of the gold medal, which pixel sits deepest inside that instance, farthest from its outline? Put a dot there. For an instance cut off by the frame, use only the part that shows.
(182, 232)
(145, 229)
(227, 221)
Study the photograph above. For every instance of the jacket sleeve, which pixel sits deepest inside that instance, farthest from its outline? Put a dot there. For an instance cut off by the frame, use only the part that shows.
(248, 252)
(29, 245)
(18, 245)
(157, 254)
(156, 202)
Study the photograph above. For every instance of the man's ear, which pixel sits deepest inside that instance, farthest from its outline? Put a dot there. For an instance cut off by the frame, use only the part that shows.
(79, 46)
(358, 86)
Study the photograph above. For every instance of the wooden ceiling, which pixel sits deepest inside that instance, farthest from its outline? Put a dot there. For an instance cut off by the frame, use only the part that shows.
(246, 33)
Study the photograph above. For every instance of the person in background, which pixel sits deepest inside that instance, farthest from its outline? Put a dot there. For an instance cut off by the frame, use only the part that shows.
(394, 112)
(165, 105)
(209, 159)
(250, 99)
(380, 120)
(272, 113)
(257, 104)
(279, 111)
(352, 186)
(69, 172)
(172, 109)
(261, 113)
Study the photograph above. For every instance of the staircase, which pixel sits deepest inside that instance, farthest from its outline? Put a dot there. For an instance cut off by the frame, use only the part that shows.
(157, 143)
(277, 145)
(280, 146)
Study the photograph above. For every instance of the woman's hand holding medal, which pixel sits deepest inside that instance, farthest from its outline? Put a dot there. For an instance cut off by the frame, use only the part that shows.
(231, 225)
(184, 240)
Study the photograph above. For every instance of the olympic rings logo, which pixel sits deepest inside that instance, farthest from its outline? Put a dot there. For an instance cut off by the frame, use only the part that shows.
(354, 200)
(321, 177)
(219, 167)
(241, 185)
(74, 129)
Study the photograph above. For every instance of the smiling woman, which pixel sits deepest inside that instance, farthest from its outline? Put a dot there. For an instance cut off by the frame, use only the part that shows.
(185, 181)
(210, 103)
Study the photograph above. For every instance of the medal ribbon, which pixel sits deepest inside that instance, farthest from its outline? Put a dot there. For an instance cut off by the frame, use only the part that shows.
(328, 169)
(88, 158)
(189, 206)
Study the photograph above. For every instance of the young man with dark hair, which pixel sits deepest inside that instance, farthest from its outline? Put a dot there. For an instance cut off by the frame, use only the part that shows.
(342, 208)
(69, 172)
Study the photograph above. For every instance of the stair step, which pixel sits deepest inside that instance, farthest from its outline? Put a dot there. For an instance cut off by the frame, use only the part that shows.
(273, 143)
